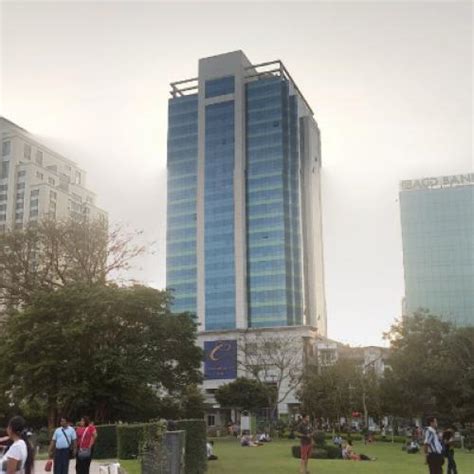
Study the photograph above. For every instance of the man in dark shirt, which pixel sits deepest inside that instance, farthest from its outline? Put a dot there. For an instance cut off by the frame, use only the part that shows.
(304, 431)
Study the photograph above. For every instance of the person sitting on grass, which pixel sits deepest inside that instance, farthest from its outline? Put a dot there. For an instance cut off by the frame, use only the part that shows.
(349, 454)
(210, 451)
(264, 438)
(247, 441)
(337, 440)
(412, 447)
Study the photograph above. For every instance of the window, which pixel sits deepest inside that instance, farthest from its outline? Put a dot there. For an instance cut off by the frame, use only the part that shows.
(27, 151)
(3, 217)
(3, 187)
(3, 207)
(3, 197)
(5, 169)
(39, 175)
(6, 147)
(35, 192)
(19, 216)
(221, 86)
(34, 203)
(53, 195)
(211, 420)
(21, 173)
(51, 181)
(19, 205)
(33, 212)
(20, 196)
(78, 178)
(20, 186)
(39, 157)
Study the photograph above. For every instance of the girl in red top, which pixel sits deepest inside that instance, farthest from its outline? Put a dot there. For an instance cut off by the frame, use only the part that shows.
(86, 436)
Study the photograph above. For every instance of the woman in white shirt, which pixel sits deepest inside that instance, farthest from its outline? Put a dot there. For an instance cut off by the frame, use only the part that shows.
(19, 457)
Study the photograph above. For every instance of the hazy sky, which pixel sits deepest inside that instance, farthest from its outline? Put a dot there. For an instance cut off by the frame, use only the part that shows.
(390, 84)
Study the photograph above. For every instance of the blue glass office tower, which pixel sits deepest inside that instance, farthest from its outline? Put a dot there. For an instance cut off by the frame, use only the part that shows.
(244, 236)
(437, 216)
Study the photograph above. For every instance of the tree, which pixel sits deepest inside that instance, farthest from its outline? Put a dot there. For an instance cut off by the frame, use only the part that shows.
(273, 360)
(192, 403)
(111, 351)
(245, 394)
(432, 368)
(330, 391)
(52, 254)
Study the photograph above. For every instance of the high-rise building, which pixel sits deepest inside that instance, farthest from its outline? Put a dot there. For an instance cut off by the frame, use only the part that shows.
(437, 217)
(36, 182)
(244, 231)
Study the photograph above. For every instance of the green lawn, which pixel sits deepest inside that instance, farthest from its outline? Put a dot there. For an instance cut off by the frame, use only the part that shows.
(275, 458)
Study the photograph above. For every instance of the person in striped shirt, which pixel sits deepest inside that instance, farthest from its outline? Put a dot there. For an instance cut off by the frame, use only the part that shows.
(433, 447)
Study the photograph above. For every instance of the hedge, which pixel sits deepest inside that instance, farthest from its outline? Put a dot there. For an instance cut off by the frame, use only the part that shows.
(196, 437)
(129, 438)
(106, 445)
(316, 453)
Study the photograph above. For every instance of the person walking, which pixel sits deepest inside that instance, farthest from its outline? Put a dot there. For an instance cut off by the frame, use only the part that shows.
(304, 431)
(86, 437)
(63, 447)
(433, 447)
(19, 456)
(448, 441)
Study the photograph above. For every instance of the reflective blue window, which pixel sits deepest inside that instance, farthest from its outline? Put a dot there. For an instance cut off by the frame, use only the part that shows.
(273, 237)
(181, 265)
(219, 214)
(438, 251)
(221, 86)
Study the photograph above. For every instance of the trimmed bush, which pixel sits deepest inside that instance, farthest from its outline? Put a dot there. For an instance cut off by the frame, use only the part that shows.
(196, 436)
(129, 439)
(106, 445)
(388, 439)
(316, 453)
(333, 452)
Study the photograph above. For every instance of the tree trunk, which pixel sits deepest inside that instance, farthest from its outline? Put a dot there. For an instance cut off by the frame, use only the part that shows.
(52, 412)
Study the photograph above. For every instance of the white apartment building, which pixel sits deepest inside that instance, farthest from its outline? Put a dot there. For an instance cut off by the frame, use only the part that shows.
(36, 182)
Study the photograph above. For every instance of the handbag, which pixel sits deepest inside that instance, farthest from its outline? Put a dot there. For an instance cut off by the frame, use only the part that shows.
(49, 465)
(84, 453)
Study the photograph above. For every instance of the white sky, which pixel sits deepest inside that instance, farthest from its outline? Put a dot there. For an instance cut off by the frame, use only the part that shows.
(390, 83)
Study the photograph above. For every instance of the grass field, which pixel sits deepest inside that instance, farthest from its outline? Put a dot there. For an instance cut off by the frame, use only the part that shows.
(275, 458)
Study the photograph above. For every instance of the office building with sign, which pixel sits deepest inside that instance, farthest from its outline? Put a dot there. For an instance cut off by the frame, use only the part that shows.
(244, 226)
(437, 219)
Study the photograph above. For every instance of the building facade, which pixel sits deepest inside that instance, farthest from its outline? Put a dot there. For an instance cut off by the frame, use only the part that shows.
(36, 182)
(244, 238)
(437, 218)
(244, 224)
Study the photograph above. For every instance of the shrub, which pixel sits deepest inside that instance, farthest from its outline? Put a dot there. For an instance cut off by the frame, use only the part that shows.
(196, 457)
(129, 439)
(333, 452)
(106, 445)
(317, 453)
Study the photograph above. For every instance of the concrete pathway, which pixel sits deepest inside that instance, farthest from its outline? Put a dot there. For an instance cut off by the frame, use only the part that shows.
(39, 467)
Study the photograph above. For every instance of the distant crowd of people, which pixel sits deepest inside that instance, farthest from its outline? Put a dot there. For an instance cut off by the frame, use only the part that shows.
(67, 443)
(437, 446)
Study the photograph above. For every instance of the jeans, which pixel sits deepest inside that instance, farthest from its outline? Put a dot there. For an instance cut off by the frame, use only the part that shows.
(452, 468)
(435, 463)
(61, 461)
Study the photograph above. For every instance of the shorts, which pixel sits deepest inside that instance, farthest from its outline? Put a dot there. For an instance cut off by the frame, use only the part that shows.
(306, 451)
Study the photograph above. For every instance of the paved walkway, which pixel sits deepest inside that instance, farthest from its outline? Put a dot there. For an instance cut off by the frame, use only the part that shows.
(39, 467)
